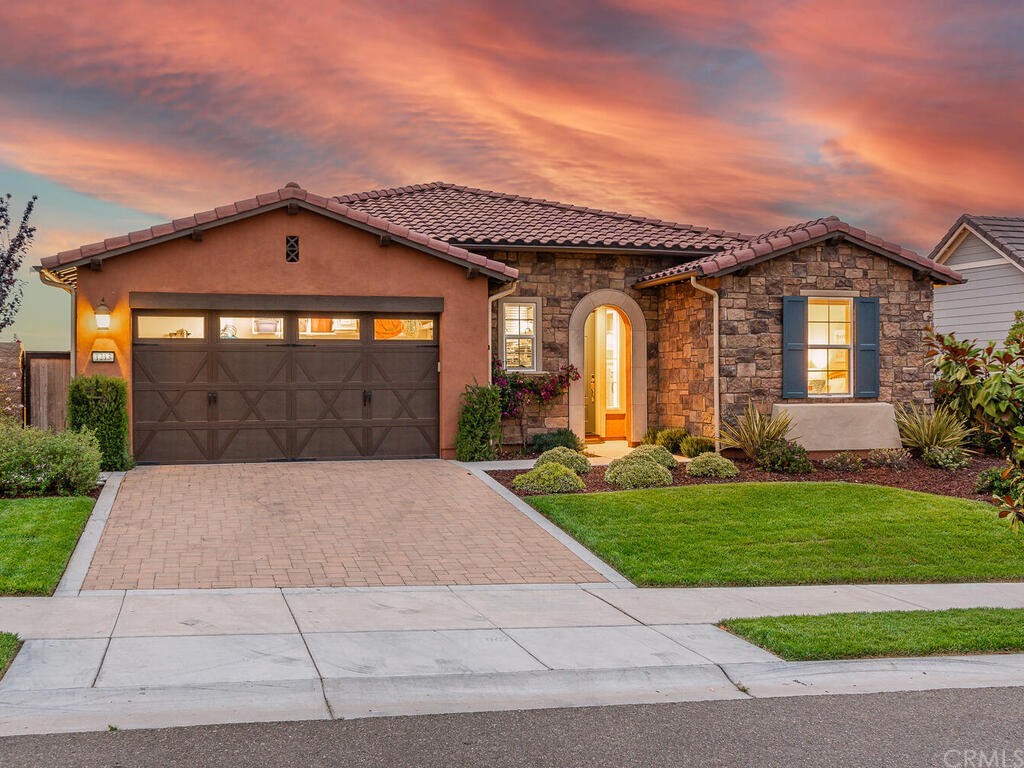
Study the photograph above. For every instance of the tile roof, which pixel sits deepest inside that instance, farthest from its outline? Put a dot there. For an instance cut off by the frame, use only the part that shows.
(478, 217)
(1004, 232)
(780, 241)
(290, 193)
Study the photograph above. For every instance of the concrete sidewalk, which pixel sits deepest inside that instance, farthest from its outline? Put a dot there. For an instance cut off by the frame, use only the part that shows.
(157, 659)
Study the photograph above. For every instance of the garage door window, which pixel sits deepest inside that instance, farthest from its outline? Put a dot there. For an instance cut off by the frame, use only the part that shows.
(251, 327)
(402, 329)
(170, 327)
(329, 328)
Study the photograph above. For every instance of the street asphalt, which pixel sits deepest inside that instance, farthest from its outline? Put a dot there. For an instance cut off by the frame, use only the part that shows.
(951, 728)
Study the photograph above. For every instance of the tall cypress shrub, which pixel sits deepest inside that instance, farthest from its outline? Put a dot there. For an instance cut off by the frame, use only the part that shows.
(479, 428)
(100, 403)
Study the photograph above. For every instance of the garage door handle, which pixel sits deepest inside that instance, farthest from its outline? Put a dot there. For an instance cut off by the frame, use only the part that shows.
(367, 397)
(211, 397)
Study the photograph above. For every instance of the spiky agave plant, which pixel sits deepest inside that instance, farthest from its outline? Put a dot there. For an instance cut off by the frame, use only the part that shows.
(753, 431)
(922, 427)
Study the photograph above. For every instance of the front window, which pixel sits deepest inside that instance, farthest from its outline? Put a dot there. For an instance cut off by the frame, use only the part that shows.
(829, 346)
(520, 335)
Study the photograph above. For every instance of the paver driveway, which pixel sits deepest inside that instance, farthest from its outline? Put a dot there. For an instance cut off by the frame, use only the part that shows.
(368, 523)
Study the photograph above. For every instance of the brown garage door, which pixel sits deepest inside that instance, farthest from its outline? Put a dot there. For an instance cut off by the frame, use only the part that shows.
(263, 386)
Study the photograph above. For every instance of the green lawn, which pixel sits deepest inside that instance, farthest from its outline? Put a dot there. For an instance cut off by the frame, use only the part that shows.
(893, 633)
(9, 645)
(37, 537)
(789, 533)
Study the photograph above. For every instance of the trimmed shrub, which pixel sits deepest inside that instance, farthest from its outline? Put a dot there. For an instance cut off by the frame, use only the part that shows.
(844, 461)
(567, 457)
(655, 453)
(100, 404)
(670, 438)
(39, 462)
(893, 458)
(784, 456)
(479, 430)
(695, 445)
(922, 428)
(950, 459)
(651, 438)
(638, 473)
(711, 465)
(548, 478)
(995, 480)
(754, 431)
(560, 437)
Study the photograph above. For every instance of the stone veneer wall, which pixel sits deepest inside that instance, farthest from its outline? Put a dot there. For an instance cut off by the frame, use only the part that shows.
(751, 331)
(685, 395)
(562, 279)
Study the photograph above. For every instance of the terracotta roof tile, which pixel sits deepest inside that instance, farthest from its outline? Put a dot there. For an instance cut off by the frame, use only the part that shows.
(780, 241)
(478, 217)
(140, 238)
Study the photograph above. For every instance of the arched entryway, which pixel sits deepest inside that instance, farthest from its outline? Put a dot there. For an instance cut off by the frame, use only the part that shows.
(614, 352)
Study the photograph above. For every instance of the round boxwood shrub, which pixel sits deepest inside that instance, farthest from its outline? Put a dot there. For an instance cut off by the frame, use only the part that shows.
(548, 478)
(567, 457)
(638, 473)
(711, 465)
(655, 453)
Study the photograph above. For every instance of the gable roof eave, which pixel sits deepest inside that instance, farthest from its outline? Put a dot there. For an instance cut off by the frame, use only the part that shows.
(782, 242)
(283, 198)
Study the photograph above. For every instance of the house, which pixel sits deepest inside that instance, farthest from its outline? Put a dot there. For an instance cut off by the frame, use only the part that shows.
(989, 252)
(292, 326)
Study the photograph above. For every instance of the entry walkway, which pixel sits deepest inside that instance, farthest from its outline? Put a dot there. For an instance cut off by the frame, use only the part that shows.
(156, 659)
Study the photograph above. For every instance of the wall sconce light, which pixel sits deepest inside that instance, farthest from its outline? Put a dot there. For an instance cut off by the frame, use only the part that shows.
(102, 313)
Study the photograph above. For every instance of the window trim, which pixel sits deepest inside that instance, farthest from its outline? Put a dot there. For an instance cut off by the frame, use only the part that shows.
(538, 346)
(850, 346)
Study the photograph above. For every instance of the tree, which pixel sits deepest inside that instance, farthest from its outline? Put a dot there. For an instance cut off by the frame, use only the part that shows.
(13, 249)
(1016, 334)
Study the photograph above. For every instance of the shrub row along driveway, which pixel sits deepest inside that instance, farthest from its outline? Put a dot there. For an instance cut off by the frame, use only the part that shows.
(321, 524)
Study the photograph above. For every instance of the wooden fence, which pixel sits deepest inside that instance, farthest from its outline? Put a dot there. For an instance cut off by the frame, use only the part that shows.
(46, 379)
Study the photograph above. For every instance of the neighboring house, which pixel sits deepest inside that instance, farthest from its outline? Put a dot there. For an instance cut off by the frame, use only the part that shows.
(292, 325)
(989, 252)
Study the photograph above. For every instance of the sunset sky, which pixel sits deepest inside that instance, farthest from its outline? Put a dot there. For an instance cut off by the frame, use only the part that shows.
(895, 115)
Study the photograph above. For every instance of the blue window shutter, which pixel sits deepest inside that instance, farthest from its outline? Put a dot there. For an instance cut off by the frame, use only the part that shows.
(794, 346)
(866, 316)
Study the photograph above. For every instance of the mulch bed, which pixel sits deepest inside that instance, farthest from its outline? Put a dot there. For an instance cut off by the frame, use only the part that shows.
(917, 477)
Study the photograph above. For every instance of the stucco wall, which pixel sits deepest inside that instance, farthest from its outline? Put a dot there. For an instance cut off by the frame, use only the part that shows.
(751, 331)
(248, 257)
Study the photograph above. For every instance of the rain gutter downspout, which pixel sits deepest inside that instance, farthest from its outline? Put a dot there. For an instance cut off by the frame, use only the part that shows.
(47, 279)
(717, 384)
(490, 323)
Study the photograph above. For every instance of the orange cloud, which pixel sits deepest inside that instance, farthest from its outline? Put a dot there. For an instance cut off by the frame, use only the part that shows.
(744, 115)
